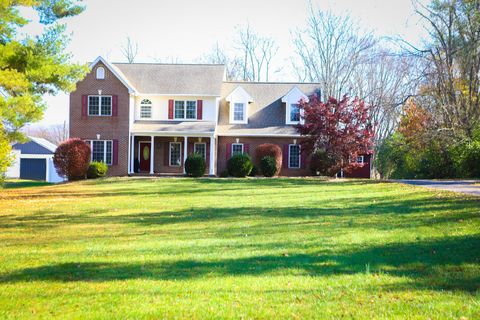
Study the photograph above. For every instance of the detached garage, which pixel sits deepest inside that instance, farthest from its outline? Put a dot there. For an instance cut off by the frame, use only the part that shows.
(34, 161)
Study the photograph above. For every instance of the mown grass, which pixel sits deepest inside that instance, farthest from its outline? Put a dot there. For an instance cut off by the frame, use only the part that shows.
(220, 248)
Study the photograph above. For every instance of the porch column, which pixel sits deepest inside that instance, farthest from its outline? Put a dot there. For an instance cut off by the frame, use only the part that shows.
(132, 154)
(152, 153)
(185, 141)
(212, 157)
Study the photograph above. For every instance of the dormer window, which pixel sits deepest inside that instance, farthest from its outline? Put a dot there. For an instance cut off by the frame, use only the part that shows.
(294, 112)
(100, 73)
(239, 100)
(239, 112)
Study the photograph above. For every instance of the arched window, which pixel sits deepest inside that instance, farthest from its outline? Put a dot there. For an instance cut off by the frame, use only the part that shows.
(100, 73)
(146, 109)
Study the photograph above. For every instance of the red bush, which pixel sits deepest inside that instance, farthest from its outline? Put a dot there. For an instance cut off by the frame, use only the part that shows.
(272, 150)
(72, 158)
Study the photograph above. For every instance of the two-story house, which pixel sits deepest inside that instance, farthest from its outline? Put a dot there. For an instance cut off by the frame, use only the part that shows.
(147, 117)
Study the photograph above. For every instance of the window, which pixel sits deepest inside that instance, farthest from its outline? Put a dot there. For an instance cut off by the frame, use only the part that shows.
(99, 105)
(360, 159)
(191, 110)
(294, 112)
(100, 73)
(238, 114)
(146, 109)
(175, 154)
(294, 156)
(101, 150)
(237, 148)
(189, 113)
(200, 148)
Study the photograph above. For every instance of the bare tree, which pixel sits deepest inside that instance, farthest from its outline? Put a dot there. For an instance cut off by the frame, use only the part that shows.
(452, 54)
(130, 50)
(218, 55)
(56, 134)
(330, 49)
(257, 54)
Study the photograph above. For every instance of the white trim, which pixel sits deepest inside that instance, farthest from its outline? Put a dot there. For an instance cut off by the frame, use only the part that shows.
(288, 115)
(44, 143)
(115, 71)
(200, 95)
(170, 154)
(150, 104)
(213, 156)
(244, 112)
(242, 92)
(298, 95)
(205, 144)
(174, 134)
(36, 156)
(100, 96)
(299, 157)
(259, 135)
(236, 144)
(152, 156)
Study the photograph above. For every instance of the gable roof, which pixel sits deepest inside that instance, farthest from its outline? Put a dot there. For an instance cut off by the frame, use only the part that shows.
(174, 79)
(115, 71)
(35, 146)
(266, 114)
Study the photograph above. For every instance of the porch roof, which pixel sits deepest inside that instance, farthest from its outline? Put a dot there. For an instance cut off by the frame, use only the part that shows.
(174, 127)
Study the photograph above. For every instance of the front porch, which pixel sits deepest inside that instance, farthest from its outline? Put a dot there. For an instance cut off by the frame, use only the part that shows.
(165, 155)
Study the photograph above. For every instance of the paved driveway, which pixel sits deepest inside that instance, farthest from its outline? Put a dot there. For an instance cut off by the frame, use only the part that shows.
(461, 186)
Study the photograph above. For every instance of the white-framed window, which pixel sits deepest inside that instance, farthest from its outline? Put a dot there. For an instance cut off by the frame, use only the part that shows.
(360, 159)
(237, 148)
(99, 105)
(238, 112)
(294, 112)
(294, 156)
(185, 109)
(175, 154)
(200, 148)
(100, 73)
(102, 150)
(146, 109)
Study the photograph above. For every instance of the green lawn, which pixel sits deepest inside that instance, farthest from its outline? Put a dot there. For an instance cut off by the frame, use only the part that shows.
(255, 248)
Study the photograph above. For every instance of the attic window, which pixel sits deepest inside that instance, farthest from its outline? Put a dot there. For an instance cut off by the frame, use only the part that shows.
(101, 73)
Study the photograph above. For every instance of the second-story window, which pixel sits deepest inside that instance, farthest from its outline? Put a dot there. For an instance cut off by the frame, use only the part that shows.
(146, 109)
(185, 109)
(238, 112)
(99, 105)
(294, 112)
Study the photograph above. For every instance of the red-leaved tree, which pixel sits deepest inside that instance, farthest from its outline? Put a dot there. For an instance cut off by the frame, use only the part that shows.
(340, 128)
(72, 158)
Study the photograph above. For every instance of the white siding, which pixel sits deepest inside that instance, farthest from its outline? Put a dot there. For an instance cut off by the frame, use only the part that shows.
(160, 107)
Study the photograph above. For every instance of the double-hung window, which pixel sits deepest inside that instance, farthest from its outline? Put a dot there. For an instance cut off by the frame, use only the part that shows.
(294, 112)
(145, 109)
(99, 105)
(185, 109)
(175, 154)
(237, 148)
(238, 112)
(200, 148)
(294, 156)
(101, 150)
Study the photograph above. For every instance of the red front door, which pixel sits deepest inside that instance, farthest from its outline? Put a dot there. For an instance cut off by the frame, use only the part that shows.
(145, 156)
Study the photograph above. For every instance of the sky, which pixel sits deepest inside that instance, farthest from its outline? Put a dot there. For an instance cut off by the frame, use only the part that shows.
(184, 30)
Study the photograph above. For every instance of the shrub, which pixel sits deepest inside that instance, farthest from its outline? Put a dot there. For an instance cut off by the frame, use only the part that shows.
(224, 174)
(97, 170)
(72, 158)
(470, 159)
(268, 165)
(195, 165)
(321, 162)
(271, 150)
(239, 165)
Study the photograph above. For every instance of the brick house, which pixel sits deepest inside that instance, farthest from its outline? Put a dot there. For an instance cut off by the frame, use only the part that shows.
(144, 118)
